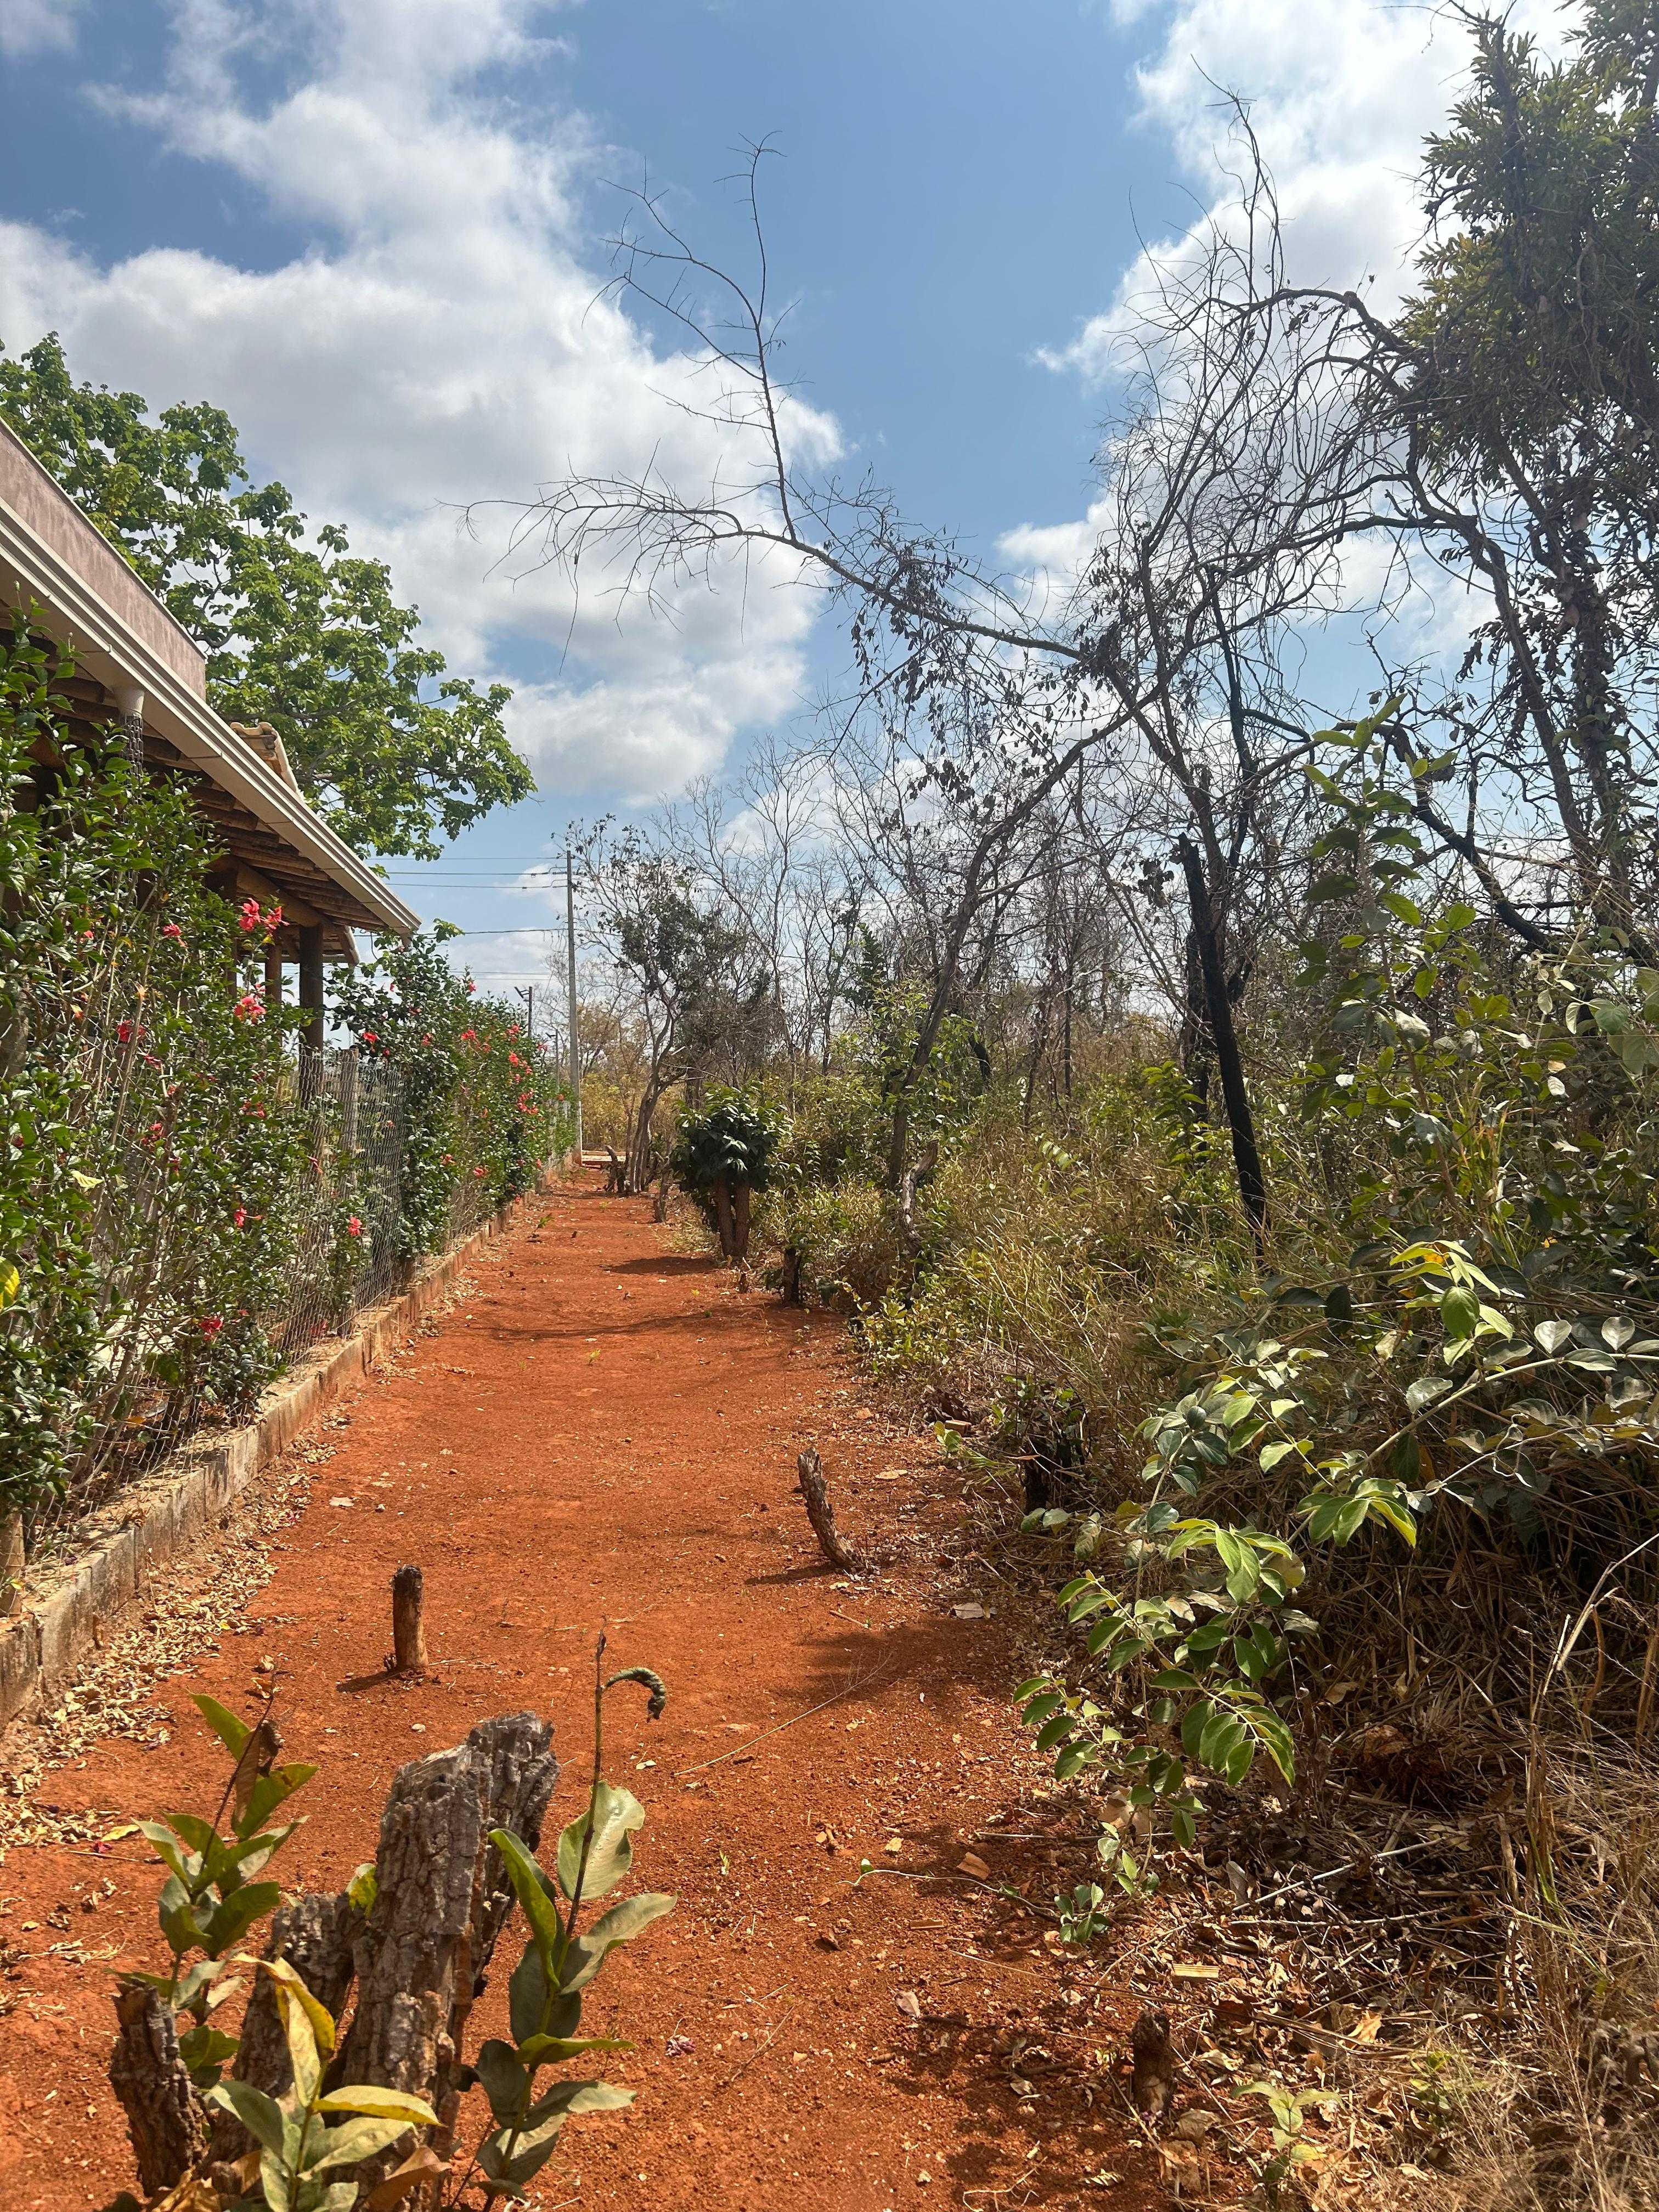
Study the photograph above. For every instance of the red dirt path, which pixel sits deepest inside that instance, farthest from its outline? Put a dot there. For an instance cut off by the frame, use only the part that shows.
(604, 1431)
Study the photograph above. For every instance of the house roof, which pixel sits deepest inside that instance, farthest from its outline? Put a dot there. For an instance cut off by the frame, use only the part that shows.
(131, 656)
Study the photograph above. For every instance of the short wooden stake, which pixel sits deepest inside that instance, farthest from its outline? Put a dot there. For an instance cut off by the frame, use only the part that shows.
(407, 1635)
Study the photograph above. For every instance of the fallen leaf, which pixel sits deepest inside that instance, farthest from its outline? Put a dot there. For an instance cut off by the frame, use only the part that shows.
(970, 1862)
(909, 2004)
(969, 1612)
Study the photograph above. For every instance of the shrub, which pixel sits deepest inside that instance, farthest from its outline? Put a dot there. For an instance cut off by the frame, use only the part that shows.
(151, 1136)
(722, 1155)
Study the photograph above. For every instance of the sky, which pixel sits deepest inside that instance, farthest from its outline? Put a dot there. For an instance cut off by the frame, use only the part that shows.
(376, 232)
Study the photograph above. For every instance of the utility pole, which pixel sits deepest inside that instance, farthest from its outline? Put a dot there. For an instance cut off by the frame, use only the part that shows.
(527, 993)
(570, 984)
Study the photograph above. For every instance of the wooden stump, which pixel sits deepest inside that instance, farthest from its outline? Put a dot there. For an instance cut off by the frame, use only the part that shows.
(164, 2118)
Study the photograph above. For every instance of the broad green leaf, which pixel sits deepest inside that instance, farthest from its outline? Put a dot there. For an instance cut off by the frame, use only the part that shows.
(615, 1815)
(506, 2082)
(569, 2099)
(269, 1792)
(620, 1925)
(230, 1731)
(353, 2141)
(231, 1921)
(530, 1887)
(259, 2114)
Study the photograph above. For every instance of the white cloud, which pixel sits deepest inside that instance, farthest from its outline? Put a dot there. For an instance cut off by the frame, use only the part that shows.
(1342, 95)
(28, 27)
(438, 341)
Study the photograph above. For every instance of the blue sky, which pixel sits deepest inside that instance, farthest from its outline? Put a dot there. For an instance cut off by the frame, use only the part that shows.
(373, 229)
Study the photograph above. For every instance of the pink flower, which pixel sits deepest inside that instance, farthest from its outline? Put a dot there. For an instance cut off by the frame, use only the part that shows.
(250, 1007)
(240, 1216)
(426, 1038)
(88, 936)
(354, 1227)
(471, 985)
(478, 1174)
(250, 917)
(513, 1060)
(172, 929)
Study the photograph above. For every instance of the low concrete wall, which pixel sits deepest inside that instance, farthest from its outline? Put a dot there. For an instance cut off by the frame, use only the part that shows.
(73, 1602)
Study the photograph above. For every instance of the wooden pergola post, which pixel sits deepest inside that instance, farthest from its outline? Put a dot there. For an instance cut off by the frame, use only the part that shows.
(311, 1002)
(273, 978)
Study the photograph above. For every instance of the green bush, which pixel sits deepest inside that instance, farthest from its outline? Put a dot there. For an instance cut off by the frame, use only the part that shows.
(484, 1106)
(722, 1156)
(151, 1138)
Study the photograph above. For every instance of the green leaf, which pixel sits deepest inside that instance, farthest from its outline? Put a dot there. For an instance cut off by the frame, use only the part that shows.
(205, 2046)
(269, 1792)
(231, 1732)
(352, 2142)
(364, 1887)
(530, 1888)
(259, 2114)
(233, 1919)
(504, 2080)
(557, 2050)
(620, 1925)
(571, 2098)
(616, 1816)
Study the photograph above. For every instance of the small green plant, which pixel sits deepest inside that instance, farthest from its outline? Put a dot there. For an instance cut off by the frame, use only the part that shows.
(1287, 2111)
(545, 1996)
(1083, 1915)
(311, 2133)
(211, 1897)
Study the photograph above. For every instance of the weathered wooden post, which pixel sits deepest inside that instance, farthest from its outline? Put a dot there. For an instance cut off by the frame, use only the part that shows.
(408, 1632)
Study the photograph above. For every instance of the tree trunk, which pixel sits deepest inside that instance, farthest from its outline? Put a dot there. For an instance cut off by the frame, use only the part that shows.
(740, 1222)
(723, 1218)
(1224, 1038)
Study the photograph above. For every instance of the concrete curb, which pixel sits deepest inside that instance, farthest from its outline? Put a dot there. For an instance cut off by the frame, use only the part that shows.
(76, 1600)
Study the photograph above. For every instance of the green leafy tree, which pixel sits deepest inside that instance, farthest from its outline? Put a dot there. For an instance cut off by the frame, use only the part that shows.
(299, 631)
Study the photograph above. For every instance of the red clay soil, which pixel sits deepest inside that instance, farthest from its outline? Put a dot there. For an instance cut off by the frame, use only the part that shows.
(606, 1432)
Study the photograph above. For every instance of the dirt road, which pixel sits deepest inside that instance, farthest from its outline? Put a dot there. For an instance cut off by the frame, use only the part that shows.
(604, 1431)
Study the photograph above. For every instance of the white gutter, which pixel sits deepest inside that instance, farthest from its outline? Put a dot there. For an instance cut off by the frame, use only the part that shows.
(31, 574)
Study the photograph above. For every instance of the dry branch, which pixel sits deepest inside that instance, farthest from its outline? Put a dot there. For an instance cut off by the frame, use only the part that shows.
(809, 1467)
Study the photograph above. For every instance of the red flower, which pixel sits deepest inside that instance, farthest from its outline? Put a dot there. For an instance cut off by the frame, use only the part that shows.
(240, 1216)
(512, 1059)
(210, 1325)
(370, 1037)
(124, 1031)
(250, 1007)
(250, 917)
(354, 1227)
(172, 929)
(471, 985)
